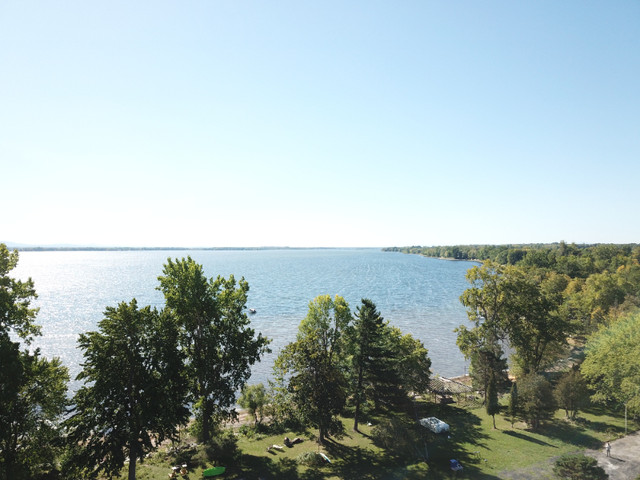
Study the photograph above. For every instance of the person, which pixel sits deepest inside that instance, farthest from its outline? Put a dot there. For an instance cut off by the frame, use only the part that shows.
(607, 447)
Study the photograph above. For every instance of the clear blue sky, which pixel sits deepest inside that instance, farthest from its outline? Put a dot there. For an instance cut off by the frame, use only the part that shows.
(329, 123)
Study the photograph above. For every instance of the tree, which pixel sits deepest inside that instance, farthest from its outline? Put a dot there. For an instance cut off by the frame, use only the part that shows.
(578, 467)
(514, 405)
(413, 367)
(486, 355)
(511, 303)
(215, 334)
(16, 313)
(612, 363)
(312, 366)
(369, 357)
(133, 395)
(254, 399)
(32, 400)
(492, 404)
(535, 398)
(571, 393)
(32, 388)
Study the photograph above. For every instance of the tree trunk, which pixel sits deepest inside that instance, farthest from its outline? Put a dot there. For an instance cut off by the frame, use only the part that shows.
(206, 421)
(356, 415)
(133, 458)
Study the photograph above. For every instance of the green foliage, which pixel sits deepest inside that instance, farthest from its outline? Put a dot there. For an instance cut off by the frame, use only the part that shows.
(371, 364)
(578, 467)
(514, 403)
(32, 401)
(486, 355)
(413, 366)
(254, 399)
(310, 459)
(134, 391)
(215, 334)
(571, 393)
(16, 313)
(535, 399)
(311, 369)
(492, 404)
(516, 304)
(612, 363)
(32, 388)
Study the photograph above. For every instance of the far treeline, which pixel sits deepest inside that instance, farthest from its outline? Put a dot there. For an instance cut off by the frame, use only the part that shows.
(570, 259)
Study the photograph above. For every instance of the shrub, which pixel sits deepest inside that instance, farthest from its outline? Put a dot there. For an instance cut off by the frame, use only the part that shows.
(579, 467)
(311, 459)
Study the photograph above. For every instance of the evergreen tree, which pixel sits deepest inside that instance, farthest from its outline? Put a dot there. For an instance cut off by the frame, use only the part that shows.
(492, 404)
(370, 360)
(513, 403)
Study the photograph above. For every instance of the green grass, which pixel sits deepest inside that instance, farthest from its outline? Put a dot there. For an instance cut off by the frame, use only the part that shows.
(485, 453)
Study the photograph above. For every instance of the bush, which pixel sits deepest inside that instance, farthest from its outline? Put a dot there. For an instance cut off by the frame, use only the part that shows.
(579, 467)
(311, 459)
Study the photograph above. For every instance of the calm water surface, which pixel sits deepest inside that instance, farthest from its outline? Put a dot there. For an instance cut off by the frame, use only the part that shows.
(419, 295)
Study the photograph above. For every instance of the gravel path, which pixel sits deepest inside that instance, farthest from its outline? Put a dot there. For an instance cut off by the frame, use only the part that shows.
(624, 462)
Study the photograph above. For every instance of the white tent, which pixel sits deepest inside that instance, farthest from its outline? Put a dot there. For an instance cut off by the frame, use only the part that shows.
(434, 424)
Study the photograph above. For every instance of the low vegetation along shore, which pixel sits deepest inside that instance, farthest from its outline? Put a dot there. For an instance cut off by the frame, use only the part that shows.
(159, 387)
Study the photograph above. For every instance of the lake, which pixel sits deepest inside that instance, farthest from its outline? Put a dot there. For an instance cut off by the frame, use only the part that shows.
(417, 294)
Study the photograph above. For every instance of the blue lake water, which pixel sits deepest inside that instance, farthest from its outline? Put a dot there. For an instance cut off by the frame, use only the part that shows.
(417, 294)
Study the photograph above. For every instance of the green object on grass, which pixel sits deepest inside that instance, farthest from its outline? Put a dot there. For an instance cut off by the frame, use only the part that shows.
(213, 471)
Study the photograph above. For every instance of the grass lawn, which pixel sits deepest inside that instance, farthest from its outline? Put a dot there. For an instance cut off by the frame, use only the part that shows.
(486, 453)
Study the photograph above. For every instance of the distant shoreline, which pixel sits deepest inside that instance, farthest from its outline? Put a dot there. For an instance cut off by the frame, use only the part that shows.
(152, 249)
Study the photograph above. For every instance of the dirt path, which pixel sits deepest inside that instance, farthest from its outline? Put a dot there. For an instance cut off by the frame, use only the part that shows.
(624, 462)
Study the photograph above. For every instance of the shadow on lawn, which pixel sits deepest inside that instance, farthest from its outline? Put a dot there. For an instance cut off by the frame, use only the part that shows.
(574, 433)
(523, 436)
(465, 431)
(258, 467)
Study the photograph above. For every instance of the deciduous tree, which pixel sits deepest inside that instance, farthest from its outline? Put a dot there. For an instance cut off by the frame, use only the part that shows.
(215, 335)
(134, 391)
(535, 399)
(313, 366)
(612, 363)
(32, 388)
(254, 399)
(571, 393)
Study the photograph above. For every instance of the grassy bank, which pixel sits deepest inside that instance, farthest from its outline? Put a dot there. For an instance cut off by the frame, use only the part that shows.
(486, 453)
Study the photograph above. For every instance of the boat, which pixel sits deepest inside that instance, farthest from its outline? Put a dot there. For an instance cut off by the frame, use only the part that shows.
(252, 310)
(213, 471)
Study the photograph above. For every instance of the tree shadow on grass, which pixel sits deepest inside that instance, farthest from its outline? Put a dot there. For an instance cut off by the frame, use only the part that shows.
(572, 433)
(523, 436)
(465, 429)
(257, 467)
(357, 462)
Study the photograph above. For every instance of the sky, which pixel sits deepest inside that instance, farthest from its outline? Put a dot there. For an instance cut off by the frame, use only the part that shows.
(319, 124)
